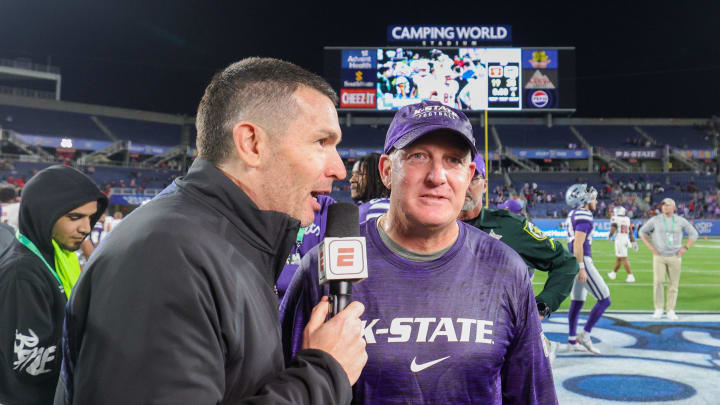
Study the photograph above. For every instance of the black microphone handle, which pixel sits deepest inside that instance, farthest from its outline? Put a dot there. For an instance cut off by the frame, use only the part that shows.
(340, 295)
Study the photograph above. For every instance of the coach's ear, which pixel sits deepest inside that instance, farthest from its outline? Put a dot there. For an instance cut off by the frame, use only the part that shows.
(250, 143)
(385, 166)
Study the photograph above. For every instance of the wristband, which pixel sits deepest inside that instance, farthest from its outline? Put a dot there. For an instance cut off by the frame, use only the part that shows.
(582, 265)
(544, 310)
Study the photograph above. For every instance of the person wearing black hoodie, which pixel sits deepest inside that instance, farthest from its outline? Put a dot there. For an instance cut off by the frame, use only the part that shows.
(60, 205)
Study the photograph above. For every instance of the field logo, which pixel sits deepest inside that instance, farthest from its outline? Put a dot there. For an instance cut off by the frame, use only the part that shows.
(704, 227)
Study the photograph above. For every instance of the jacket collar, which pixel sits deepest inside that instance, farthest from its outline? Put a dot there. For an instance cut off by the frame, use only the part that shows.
(271, 232)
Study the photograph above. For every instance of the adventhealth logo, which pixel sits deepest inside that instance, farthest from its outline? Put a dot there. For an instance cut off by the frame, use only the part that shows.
(462, 330)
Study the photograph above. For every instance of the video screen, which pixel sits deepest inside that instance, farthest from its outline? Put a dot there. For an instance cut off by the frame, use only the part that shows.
(472, 79)
(464, 78)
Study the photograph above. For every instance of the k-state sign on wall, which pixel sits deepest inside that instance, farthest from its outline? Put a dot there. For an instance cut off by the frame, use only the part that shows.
(419, 33)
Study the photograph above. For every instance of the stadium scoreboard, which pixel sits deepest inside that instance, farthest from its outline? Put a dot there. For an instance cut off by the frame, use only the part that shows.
(467, 78)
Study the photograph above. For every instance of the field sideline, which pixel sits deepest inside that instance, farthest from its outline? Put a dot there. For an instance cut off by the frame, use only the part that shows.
(699, 281)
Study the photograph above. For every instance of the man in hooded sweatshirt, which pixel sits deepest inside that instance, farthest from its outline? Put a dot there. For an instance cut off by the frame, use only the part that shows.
(60, 205)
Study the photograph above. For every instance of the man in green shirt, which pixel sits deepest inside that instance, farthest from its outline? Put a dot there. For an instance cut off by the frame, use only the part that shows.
(538, 251)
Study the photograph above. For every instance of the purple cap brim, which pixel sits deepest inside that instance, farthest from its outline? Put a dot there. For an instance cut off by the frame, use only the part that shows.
(415, 134)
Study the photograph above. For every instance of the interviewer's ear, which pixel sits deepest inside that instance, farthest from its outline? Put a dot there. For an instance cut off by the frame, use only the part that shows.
(250, 142)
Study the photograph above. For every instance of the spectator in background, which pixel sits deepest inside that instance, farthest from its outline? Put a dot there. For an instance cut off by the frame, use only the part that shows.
(513, 205)
(373, 193)
(10, 206)
(667, 248)
(365, 183)
(60, 205)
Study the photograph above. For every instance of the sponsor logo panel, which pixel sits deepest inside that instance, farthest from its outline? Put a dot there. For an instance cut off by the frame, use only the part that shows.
(357, 98)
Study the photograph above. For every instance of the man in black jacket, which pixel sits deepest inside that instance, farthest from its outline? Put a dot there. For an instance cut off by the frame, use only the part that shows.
(178, 305)
(60, 205)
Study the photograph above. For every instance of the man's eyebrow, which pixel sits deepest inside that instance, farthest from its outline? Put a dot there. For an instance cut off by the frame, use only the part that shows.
(331, 134)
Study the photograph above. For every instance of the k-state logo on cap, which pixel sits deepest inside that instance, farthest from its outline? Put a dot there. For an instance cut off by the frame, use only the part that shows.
(540, 98)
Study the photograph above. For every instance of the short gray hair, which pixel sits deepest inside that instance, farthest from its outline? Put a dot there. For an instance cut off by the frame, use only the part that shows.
(257, 89)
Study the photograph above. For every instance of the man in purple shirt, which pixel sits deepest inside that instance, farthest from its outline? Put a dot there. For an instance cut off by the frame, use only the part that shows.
(583, 200)
(450, 313)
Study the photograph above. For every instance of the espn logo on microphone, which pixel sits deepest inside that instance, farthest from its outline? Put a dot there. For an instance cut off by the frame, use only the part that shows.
(342, 259)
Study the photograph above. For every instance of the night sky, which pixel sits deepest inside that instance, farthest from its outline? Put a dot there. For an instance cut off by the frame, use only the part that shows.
(634, 59)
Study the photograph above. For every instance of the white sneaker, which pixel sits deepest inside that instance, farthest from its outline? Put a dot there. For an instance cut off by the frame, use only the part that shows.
(612, 275)
(672, 315)
(553, 350)
(584, 339)
(657, 314)
(630, 278)
(576, 348)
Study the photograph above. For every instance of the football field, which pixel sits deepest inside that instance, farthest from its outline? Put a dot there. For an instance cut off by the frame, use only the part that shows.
(699, 282)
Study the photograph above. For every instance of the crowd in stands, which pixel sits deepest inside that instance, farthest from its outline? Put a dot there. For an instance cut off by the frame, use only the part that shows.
(107, 178)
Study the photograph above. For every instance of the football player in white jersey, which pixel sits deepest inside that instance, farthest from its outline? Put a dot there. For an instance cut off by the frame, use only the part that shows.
(622, 228)
(426, 82)
(447, 91)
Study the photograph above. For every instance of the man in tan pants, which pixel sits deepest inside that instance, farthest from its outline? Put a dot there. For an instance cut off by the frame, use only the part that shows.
(666, 245)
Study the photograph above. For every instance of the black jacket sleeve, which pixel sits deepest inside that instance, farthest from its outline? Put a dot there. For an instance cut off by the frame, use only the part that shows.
(174, 338)
(29, 340)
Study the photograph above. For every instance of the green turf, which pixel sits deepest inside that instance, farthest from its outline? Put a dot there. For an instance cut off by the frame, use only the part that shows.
(699, 281)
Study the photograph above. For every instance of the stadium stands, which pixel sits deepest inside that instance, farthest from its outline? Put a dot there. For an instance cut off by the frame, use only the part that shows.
(535, 136)
(144, 132)
(607, 136)
(679, 137)
(32, 121)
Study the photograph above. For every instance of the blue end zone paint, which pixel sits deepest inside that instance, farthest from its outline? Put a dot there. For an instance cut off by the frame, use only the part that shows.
(642, 360)
(629, 388)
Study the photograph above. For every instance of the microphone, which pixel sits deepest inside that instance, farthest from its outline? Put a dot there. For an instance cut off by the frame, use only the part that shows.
(342, 254)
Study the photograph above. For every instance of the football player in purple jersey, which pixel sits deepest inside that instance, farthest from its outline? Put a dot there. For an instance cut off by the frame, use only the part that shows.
(450, 313)
(583, 200)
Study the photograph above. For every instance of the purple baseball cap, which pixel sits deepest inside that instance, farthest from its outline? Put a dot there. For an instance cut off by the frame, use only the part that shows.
(415, 120)
(480, 164)
(512, 205)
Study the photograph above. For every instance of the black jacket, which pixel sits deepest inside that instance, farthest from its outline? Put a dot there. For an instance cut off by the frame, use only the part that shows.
(32, 301)
(178, 307)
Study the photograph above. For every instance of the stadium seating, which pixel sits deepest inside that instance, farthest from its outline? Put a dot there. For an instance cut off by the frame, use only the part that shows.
(615, 136)
(144, 132)
(679, 137)
(535, 136)
(31, 121)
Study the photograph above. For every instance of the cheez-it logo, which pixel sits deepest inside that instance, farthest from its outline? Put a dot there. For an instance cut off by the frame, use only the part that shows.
(345, 257)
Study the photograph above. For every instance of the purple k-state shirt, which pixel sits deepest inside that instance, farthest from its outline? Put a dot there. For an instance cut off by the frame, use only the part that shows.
(460, 329)
(581, 220)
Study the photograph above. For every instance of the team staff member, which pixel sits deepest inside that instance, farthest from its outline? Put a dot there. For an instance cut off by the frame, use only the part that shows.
(537, 250)
(450, 316)
(178, 305)
(60, 205)
(667, 248)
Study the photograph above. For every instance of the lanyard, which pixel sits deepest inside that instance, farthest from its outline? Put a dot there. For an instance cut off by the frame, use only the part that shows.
(31, 246)
(300, 236)
(672, 229)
